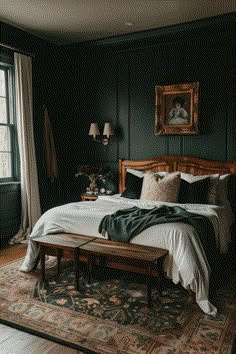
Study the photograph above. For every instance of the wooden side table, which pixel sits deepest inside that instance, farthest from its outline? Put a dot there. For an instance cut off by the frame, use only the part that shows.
(86, 196)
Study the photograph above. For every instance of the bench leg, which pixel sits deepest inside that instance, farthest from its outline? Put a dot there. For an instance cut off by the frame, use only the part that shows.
(90, 268)
(42, 259)
(76, 266)
(160, 277)
(149, 285)
(59, 257)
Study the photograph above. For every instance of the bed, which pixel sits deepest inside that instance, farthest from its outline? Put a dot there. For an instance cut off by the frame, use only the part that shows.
(186, 262)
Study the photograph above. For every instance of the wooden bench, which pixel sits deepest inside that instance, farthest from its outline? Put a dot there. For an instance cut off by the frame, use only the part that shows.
(118, 255)
(149, 258)
(62, 245)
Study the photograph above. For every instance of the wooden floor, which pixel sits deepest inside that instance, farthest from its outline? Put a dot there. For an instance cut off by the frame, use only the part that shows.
(13, 341)
(10, 253)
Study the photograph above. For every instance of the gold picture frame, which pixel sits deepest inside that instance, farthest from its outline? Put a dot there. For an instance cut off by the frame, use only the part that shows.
(177, 109)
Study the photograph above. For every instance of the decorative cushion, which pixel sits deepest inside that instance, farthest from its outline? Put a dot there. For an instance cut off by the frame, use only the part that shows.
(164, 189)
(195, 192)
(133, 186)
(134, 181)
(213, 185)
(226, 196)
(222, 195)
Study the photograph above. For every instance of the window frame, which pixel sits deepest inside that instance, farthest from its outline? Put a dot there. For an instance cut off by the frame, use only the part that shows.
(11, 120)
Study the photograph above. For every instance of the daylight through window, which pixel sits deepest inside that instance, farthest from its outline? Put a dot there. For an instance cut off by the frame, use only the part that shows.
(7, 124)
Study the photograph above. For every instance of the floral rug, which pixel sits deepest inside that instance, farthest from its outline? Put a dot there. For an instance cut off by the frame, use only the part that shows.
(111, 315)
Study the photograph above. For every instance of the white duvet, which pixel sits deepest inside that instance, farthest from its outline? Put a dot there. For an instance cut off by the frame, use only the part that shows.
(186, 262)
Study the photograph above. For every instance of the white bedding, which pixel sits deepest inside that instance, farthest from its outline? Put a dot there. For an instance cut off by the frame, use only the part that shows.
(186, 262)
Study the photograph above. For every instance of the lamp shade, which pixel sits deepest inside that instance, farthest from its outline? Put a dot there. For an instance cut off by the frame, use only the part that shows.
(107, 131)
(94, 130)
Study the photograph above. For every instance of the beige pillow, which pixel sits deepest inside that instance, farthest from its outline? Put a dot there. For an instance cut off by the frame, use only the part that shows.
(161, 189)
(213, 188)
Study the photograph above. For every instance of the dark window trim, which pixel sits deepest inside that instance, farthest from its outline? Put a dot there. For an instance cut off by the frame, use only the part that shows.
(11, 121)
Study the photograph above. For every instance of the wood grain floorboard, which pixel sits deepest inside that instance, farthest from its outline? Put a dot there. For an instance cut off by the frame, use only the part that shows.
(10, 253)
(13, 341)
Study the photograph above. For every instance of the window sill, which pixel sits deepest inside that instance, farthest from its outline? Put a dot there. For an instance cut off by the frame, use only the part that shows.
(8, 183)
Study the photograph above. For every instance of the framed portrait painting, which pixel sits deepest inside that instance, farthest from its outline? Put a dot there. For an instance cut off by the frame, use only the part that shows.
(177, 109)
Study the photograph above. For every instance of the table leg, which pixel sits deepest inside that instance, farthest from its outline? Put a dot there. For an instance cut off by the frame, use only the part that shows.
(76, 266)
(42, 258)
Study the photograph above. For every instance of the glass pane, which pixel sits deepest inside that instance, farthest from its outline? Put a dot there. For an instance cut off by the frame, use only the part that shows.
(5, 165)
(2, 83)
(5, 139)
(3, 110)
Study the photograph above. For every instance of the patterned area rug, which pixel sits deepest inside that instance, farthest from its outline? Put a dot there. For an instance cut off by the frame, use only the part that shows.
(111, 315)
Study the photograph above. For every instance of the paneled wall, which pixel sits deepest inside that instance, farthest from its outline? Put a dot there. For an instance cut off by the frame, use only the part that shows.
(118, 85)
(114, 80)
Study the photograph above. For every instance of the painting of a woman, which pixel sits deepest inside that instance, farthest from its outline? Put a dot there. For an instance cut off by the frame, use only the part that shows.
(178, 114)
(176, 109)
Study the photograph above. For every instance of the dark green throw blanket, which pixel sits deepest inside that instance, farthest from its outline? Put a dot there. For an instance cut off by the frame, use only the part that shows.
(124, 224)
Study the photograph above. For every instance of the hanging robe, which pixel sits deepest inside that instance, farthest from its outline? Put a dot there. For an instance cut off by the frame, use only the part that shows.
(50, 150)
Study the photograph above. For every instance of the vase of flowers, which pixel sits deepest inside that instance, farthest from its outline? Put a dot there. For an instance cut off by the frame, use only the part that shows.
(93, 183)
(94, 174)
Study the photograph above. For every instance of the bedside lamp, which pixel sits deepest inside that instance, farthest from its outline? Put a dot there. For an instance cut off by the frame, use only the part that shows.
(107, 132)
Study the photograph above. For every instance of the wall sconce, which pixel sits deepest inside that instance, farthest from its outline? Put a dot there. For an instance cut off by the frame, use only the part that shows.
(107, 131)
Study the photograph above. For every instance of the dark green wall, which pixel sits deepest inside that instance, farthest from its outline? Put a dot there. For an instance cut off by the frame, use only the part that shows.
(51, 86)
(10, 206)
(114, 80)
(118, 82)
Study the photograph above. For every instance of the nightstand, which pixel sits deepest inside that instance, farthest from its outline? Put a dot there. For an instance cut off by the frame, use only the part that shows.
(86, 196)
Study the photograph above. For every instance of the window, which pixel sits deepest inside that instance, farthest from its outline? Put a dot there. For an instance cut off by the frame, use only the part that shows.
(8, 138)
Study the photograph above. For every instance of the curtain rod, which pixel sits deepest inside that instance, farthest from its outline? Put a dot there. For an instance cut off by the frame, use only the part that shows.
(17, 50)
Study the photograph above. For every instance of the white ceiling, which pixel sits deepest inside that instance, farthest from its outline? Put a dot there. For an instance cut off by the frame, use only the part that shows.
(70, 21)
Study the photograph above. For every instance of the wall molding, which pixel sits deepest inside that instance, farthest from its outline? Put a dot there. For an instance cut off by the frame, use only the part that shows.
(157, 33)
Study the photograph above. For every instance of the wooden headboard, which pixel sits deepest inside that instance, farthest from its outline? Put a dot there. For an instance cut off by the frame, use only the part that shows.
(186, 164)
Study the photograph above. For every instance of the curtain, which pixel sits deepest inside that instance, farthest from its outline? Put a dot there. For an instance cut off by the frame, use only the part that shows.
(30, 202)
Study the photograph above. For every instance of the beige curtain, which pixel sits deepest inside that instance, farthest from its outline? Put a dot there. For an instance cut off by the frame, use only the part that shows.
(30, 201)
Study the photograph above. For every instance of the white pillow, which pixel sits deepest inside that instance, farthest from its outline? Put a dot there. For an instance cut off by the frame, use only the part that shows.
(137, 173)
(161, 189)
(140, 174)
(213, 188)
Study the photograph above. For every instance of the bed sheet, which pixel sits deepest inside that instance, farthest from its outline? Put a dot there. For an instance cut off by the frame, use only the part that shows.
(186, 262)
